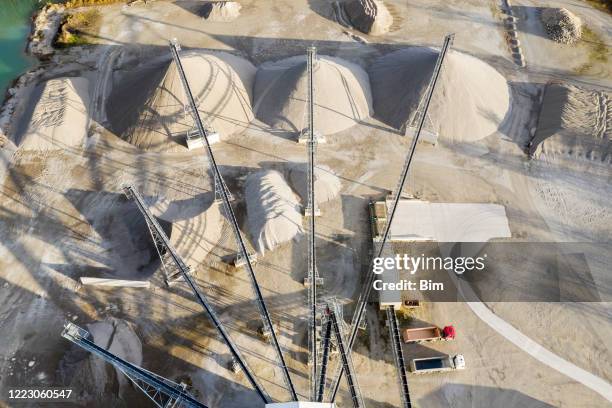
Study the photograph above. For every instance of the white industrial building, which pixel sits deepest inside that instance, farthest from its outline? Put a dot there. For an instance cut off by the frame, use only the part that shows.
(301, 404)
(417, 220)
(421, 221)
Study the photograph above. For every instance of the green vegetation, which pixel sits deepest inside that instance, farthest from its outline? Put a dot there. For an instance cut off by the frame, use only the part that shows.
(495, 12)
(603, 5)
(74, 27)
(405, 314)
(598, 51)
(84, 3)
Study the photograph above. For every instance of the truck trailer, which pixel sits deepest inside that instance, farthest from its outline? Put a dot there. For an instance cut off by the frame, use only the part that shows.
(429, 333)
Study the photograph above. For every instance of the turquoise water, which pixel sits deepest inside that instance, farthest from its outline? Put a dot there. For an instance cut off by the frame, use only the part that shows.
(14, 31)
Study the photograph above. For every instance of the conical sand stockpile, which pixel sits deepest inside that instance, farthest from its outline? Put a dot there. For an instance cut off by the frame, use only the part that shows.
(327, 184)
(197, 224)
(342, 94)
(273, 210)
(59, 117)
(471, 98)
(148, 110)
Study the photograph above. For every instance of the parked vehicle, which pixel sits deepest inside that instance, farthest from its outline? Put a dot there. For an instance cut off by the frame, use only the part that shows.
(437, 364)
(430, 333)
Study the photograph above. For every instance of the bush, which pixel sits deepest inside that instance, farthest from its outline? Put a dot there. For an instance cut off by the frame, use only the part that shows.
(72, 29)
(603, 5)
(83, 3)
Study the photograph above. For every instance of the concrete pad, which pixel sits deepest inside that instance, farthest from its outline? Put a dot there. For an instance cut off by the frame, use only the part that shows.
(114, 282)
(302, 404)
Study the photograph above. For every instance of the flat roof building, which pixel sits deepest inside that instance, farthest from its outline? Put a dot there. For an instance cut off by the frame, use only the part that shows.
(301, 404)
(419, 221)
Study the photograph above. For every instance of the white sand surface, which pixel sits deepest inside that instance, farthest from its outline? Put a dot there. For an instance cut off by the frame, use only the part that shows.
(59, 115)
(327, 183)
(273, 210)
(449, 222)
(149, 112)
(471, 98)
(342, 94)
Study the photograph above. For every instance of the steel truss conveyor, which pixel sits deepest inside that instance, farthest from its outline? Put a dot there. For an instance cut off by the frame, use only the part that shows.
(184, 271)
(224, 193)
(400, 364)
(367, 288)
(163, 392)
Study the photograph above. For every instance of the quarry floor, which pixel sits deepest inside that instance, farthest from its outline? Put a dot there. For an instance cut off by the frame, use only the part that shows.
(59, 210)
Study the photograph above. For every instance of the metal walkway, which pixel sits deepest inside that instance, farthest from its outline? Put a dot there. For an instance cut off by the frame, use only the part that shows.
(347, 362)
(183, 269)
(324, 360)
(225, 196)
(400, 364)
(163, 392)
(192, 109)
(311, 211)
(172, 264)
(193, 139)
(367, 288)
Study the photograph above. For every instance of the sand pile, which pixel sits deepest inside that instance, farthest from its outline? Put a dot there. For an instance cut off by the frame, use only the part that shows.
(327, 183)
(342, 94)
(118, 233)
(147, 109)
(562, 25)
(57, 118)
(221, 11)
(273, 210)
(99, 379)
(470, 101)
(575, 122)
(197, 224)
(369, 16)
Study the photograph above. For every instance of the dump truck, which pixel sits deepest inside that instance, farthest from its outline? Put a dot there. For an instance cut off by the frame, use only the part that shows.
(437, 364)
(430, 333)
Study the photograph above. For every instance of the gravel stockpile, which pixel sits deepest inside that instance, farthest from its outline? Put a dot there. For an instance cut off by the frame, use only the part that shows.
(327, 183)
(148, 108)
(369, 16)
(58, 118)
(574, 122)
(221, 11)
(273, 210)
(470, 101)
(562, 25)
(342, 94)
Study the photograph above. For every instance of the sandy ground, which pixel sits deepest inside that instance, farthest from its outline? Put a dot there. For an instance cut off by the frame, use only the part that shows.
(559, 59)
(63, 216)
